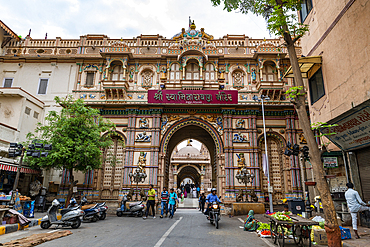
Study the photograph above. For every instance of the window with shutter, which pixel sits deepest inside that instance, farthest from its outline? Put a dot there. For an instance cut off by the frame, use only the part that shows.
(90, 79)
(8, 82)
(43, 86)
(316, 86)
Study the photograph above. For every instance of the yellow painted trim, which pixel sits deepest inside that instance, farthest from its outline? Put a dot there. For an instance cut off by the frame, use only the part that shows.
(59, 217)
(2, 230)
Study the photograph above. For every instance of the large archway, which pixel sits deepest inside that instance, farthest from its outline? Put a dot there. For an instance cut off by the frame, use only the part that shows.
(191, 128)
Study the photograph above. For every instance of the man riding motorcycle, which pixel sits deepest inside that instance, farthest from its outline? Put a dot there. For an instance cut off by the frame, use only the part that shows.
(210, 199)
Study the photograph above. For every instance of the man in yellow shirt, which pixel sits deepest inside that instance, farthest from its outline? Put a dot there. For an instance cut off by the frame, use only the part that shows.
(150, 202)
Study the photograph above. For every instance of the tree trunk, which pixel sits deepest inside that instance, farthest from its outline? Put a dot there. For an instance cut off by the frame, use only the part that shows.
(331, 223)
(70, 190)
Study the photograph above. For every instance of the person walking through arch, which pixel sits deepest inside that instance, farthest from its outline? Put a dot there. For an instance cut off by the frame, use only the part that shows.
(172, 202)
(151, 202)
(164, 202)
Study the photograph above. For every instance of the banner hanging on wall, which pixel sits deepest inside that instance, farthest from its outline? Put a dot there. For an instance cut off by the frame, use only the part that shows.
(193, 97)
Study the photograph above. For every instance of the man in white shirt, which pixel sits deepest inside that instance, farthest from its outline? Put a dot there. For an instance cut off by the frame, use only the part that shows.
(355, 205)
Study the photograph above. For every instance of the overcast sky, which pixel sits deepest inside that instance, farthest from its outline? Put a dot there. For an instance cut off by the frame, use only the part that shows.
(124, 18)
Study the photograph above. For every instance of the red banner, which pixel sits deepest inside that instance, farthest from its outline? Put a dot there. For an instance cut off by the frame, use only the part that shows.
(192, 96)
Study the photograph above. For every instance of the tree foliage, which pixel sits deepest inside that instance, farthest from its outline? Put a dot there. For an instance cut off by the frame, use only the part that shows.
(277, 14)
(76, 135)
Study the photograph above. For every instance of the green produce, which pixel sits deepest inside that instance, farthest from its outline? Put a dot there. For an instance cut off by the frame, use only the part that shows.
(322, 224)
(262, 226)
(281, 217)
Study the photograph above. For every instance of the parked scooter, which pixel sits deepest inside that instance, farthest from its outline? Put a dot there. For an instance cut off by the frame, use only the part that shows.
(70, 216)
(91, 214)
(135, 208)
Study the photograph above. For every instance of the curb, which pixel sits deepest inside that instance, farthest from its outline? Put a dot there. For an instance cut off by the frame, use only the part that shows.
(5, 229)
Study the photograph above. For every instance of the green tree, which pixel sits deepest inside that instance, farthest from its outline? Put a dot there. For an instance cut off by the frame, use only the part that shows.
(78, 135)
(282, 21)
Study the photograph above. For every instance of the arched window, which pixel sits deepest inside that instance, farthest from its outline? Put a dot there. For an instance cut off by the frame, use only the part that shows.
(147, 79)
(269, 71)
(116, 71)
(192, 70)
(175, 72)
(238, 79)
(210, 74)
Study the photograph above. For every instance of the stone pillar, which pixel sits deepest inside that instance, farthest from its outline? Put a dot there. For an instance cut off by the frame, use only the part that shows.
(202, 173)
(174, 176)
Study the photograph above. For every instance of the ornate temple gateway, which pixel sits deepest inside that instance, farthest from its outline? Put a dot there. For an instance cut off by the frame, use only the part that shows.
(160, 92)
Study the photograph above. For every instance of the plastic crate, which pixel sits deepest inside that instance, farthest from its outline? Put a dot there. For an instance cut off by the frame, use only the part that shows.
(345, 233)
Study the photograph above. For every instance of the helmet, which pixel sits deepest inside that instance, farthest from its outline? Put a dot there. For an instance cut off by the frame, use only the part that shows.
(73, 201)
(213, 189)
(55, 203)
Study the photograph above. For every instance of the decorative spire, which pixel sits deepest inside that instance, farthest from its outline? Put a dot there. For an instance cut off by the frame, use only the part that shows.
(192, 26)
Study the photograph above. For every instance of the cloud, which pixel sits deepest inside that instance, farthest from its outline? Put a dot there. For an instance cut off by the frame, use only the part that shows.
(127, 19)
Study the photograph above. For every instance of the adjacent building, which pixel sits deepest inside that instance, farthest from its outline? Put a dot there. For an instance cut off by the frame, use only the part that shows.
(337, 50)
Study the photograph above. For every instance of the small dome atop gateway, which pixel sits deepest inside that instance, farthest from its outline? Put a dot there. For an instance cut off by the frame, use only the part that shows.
(188, 150)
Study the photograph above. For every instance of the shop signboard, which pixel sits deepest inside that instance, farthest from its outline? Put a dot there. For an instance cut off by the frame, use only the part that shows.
(193, 97)
(353, 130)
(330, 162)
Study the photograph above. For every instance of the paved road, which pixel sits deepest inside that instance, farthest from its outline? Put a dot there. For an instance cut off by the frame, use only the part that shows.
(188, 228)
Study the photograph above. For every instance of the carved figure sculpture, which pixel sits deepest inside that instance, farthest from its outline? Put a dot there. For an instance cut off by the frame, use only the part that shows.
(144, 123)
(253, 74)
(147, 79)
(241, 160)
(240, 196)
(239, 137)
(142, 195)
(240, 124)
(143, 137)
(130, 194)
(253, 196)
(141, 163)
(131, 75)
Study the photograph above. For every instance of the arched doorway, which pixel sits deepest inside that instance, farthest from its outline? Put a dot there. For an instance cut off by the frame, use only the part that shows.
(188, 172)
(191, 128)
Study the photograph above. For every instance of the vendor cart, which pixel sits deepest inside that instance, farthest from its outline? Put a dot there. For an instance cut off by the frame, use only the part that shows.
(300, 227)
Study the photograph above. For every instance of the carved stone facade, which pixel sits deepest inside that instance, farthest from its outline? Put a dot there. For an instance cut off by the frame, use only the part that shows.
(120, 75)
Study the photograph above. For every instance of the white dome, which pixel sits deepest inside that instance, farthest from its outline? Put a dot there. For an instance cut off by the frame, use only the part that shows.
(188, 150)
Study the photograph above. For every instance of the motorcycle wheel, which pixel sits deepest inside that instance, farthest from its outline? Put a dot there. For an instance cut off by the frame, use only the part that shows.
(76, 224)
(102, 216)
(216, 221)
(95, 218)
(45, 224)
(119, 213)
(140, 214)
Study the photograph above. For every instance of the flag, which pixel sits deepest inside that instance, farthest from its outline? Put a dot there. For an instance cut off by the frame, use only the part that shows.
(265, 165)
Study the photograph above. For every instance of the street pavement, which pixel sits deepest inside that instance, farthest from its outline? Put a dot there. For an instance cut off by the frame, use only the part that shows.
(189, 227)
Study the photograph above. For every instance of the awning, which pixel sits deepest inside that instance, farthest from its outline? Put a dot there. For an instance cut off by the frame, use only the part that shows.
(13, 168)
(8, 168)
(307, 65)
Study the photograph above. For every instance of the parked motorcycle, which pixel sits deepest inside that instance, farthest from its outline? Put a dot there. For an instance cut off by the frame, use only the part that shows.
(102, 210)
(70, 216)
(134, 209)
(91, 213)
(214, 214)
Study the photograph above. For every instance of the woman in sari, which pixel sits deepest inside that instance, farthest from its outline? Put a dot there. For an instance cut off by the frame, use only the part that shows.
(250, 224)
